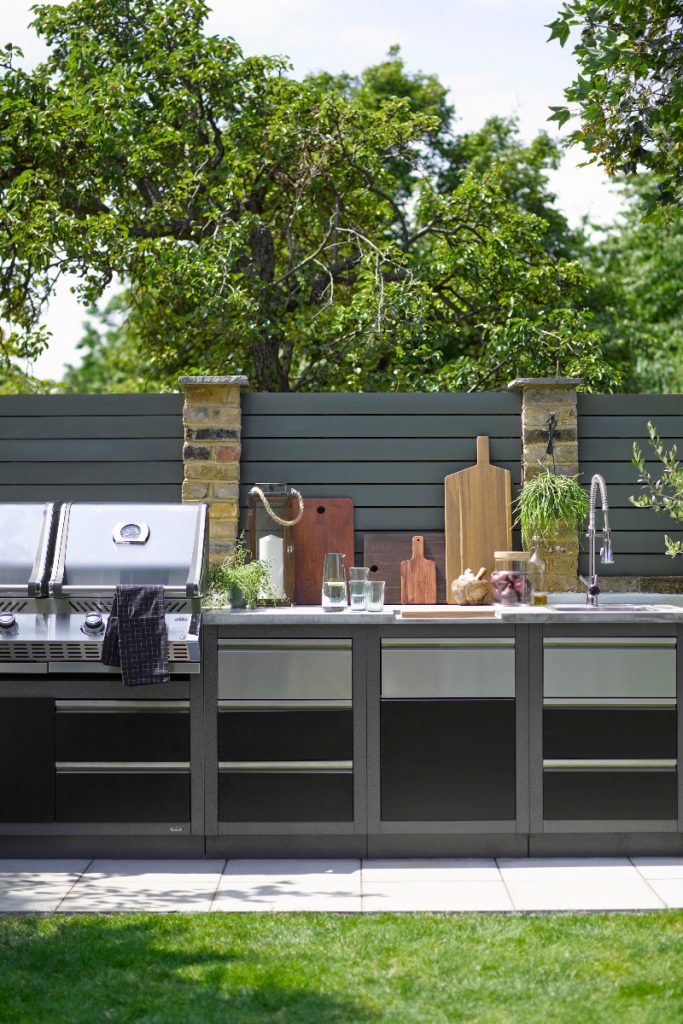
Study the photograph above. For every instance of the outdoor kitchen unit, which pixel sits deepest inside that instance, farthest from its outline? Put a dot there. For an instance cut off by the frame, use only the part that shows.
(80, 753)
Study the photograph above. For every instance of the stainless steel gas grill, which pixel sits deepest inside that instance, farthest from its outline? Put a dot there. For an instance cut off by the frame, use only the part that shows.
(98, 546)
(80, 755)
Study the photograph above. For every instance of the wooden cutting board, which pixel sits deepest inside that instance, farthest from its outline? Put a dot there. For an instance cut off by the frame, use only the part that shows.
(478, 515)
(327, 525)
(418, 576)
(384, 552)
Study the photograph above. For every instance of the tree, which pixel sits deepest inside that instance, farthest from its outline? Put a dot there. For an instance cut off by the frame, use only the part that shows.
(629, 91)
(638, 294)
(330, 233)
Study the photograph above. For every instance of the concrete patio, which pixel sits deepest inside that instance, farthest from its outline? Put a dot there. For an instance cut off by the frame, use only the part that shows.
(341, 886)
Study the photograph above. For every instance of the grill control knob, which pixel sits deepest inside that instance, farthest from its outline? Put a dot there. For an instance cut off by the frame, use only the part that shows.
(8, 622)
(93, 623)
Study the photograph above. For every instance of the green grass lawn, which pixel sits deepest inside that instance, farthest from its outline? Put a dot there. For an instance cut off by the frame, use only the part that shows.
(325, 969)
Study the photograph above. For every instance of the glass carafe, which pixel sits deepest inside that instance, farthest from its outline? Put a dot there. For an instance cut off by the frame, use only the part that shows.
(334, 597)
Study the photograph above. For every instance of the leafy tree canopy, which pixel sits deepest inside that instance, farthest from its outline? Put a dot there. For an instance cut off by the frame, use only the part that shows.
(629, 90)
(333, 233)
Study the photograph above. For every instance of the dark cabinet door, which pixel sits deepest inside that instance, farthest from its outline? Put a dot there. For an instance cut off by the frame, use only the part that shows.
(285, 796)
(286, 734)
(27, 759)
(609, 732)
(144, 796)
(609, 795)
(108, 734)
(447, 760)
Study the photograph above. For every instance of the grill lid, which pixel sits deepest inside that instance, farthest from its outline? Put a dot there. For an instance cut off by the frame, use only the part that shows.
(26, 537)
(101, 545)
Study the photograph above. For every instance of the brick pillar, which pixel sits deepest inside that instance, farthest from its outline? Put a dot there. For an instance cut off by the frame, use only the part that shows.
(212, 422)
(542, 396)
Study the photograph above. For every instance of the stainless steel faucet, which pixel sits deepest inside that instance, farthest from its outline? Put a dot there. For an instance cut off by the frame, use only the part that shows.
(606, 557)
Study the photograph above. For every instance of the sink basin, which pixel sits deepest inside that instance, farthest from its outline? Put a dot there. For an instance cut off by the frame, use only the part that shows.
(617, 606)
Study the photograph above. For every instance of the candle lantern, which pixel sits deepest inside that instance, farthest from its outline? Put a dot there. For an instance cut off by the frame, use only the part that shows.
(273, 510)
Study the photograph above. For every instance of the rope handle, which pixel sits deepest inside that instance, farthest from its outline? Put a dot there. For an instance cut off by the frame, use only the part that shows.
(273, 515)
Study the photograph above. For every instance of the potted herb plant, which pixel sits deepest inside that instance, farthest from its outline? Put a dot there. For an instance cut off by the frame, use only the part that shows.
(239, 582)
(551, 511)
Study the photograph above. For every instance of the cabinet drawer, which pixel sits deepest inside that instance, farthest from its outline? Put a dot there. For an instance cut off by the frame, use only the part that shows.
(284, 669)
(123, 730)
(118, 796)
(434, 668)
(609, 794)
(447, 760)
(609, 667)
(285, 734)
(27, 759)
(627, 732)
(285, 795)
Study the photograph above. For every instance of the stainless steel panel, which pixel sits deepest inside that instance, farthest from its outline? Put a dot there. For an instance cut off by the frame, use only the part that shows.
(609, 669)
(118, 706)
(25, 530)
(285, 766)
(610, 702)
(88, 557)
(268, 705)
(608, 763)
(485, 670)
(122, 766)
(287, 670)
(448, 643)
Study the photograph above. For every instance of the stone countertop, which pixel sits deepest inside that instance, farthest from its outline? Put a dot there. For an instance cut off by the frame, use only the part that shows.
(651, 608)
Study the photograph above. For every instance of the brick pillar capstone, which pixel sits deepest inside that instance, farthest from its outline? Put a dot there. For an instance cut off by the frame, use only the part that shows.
(542, 396)
(212, 422)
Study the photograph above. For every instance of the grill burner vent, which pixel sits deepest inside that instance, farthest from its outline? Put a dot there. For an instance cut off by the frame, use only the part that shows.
(19, 651)
(178, 652)
(90, 604)
(9, 605)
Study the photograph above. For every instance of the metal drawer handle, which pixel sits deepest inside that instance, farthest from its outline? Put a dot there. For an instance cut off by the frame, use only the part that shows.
(290, 705)
(283, 645)
(76, 706)
(122, 766)
(618, 764)
(609, 702)
(285, 766)
(604, 643)
(437, 643)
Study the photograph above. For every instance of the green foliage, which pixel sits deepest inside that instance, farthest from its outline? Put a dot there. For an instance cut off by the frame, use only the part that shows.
(548, 502)
(628, 91)
(637, 271)
(664, 494)
(238, 577)
(327, 234)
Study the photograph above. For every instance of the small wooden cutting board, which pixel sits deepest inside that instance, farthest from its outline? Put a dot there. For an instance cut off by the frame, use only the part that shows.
(478, 516)
(418, 577)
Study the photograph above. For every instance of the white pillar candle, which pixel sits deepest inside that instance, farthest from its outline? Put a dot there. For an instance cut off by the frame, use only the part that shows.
(271, 549)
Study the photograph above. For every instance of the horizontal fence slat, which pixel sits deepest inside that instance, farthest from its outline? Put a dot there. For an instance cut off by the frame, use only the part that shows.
(378, 403)
(379, 426)
(91, 492)
(371, 449)
(629, 405)
(124, 450)
(42, 473)
(91, 405)
(612, 449)
(617, 473)
(321, 473)
(95, 427)
(632, 427)
(637, 565)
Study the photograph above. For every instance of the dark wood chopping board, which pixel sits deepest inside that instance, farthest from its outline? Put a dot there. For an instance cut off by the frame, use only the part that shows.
(384, 552)
(327, 525)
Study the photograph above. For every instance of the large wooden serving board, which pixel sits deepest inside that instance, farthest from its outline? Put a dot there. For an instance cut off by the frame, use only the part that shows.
(327, 525)
(478, 516)
(384, 552)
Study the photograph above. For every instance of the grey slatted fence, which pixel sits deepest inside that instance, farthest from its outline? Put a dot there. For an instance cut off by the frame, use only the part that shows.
(389, 452)
(91, 447)
(608, 426)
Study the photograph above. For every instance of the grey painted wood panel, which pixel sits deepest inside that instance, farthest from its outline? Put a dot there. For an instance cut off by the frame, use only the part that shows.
(380, 449)
(100, 449)
(629, 405)
(91, 472)
(363, 426)
(632, 427)
(91, 492)
(382, 403)
(611, 449)
(76, 427)
(350, 473)
(91, 405)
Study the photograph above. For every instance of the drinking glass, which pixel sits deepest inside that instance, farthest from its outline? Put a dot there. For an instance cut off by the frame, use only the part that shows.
(334, 596)
(358, 592)
(375, 595)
